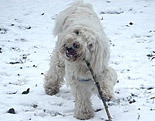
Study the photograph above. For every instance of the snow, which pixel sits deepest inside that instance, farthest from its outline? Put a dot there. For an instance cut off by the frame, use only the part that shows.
(26, 43)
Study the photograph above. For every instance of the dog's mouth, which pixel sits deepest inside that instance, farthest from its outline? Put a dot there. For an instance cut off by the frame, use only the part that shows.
(71, 54)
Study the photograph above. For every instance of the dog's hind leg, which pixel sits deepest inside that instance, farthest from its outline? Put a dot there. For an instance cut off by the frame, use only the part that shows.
(55, 74)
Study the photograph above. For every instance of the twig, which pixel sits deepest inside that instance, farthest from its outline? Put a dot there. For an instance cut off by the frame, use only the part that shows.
(99, 90)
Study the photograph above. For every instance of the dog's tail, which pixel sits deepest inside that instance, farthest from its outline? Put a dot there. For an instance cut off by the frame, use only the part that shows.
(62, 16)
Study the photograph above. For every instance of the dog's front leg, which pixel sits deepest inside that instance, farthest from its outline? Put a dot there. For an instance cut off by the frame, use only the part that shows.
(55, 74)
(107, 82)
(83, 106)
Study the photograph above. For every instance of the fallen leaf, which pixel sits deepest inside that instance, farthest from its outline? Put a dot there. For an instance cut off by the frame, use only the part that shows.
(26, 92)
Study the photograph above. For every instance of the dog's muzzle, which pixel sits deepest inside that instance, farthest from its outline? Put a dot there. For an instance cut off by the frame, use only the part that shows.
(72, 52)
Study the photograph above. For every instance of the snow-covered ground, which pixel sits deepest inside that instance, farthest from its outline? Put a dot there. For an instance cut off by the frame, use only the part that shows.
(26, 43)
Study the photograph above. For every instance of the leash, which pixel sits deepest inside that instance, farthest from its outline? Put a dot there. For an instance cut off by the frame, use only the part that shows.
(99, 89)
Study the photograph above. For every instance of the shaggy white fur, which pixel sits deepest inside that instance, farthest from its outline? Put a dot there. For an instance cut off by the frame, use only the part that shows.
(80, 36)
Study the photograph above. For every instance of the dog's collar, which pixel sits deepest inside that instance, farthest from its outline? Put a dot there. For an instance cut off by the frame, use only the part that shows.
(84, 80)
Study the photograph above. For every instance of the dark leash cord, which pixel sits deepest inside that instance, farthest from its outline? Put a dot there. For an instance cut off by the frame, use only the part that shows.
(99, 90)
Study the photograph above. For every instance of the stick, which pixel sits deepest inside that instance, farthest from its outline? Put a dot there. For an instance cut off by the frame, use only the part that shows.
(99, 90)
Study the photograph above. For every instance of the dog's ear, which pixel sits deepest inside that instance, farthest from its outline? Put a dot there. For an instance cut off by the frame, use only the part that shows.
(61, 20)
(100, 56)
(59, 23)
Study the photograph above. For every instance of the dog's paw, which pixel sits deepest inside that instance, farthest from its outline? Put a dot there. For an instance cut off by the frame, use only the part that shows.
(108, 95)
(51, 89)
(84, 114)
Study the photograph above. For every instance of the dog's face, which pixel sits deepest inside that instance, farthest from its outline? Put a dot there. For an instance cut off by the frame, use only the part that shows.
(84, 44)
(76, 46)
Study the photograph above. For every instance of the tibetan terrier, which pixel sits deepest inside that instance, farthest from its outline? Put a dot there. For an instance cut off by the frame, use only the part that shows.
(80, 37)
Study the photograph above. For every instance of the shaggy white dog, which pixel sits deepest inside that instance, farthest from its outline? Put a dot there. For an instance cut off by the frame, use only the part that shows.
(80, 36)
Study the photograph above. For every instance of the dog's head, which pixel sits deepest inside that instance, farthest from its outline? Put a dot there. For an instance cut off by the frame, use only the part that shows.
(79, 38)
(79, 44)
(76, 46)
(71, 46)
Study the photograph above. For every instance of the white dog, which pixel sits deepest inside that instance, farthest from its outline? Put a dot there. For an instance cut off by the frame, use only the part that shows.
(80, 36)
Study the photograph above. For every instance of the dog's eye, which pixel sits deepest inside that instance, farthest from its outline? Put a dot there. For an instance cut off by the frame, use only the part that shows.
(64, 45)
(90, 45)
(76, 32)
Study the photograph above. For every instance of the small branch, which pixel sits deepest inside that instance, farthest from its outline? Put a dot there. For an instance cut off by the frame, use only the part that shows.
(99, 90)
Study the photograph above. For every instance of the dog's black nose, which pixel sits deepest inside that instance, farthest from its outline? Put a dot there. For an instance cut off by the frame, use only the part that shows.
(76, 45)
